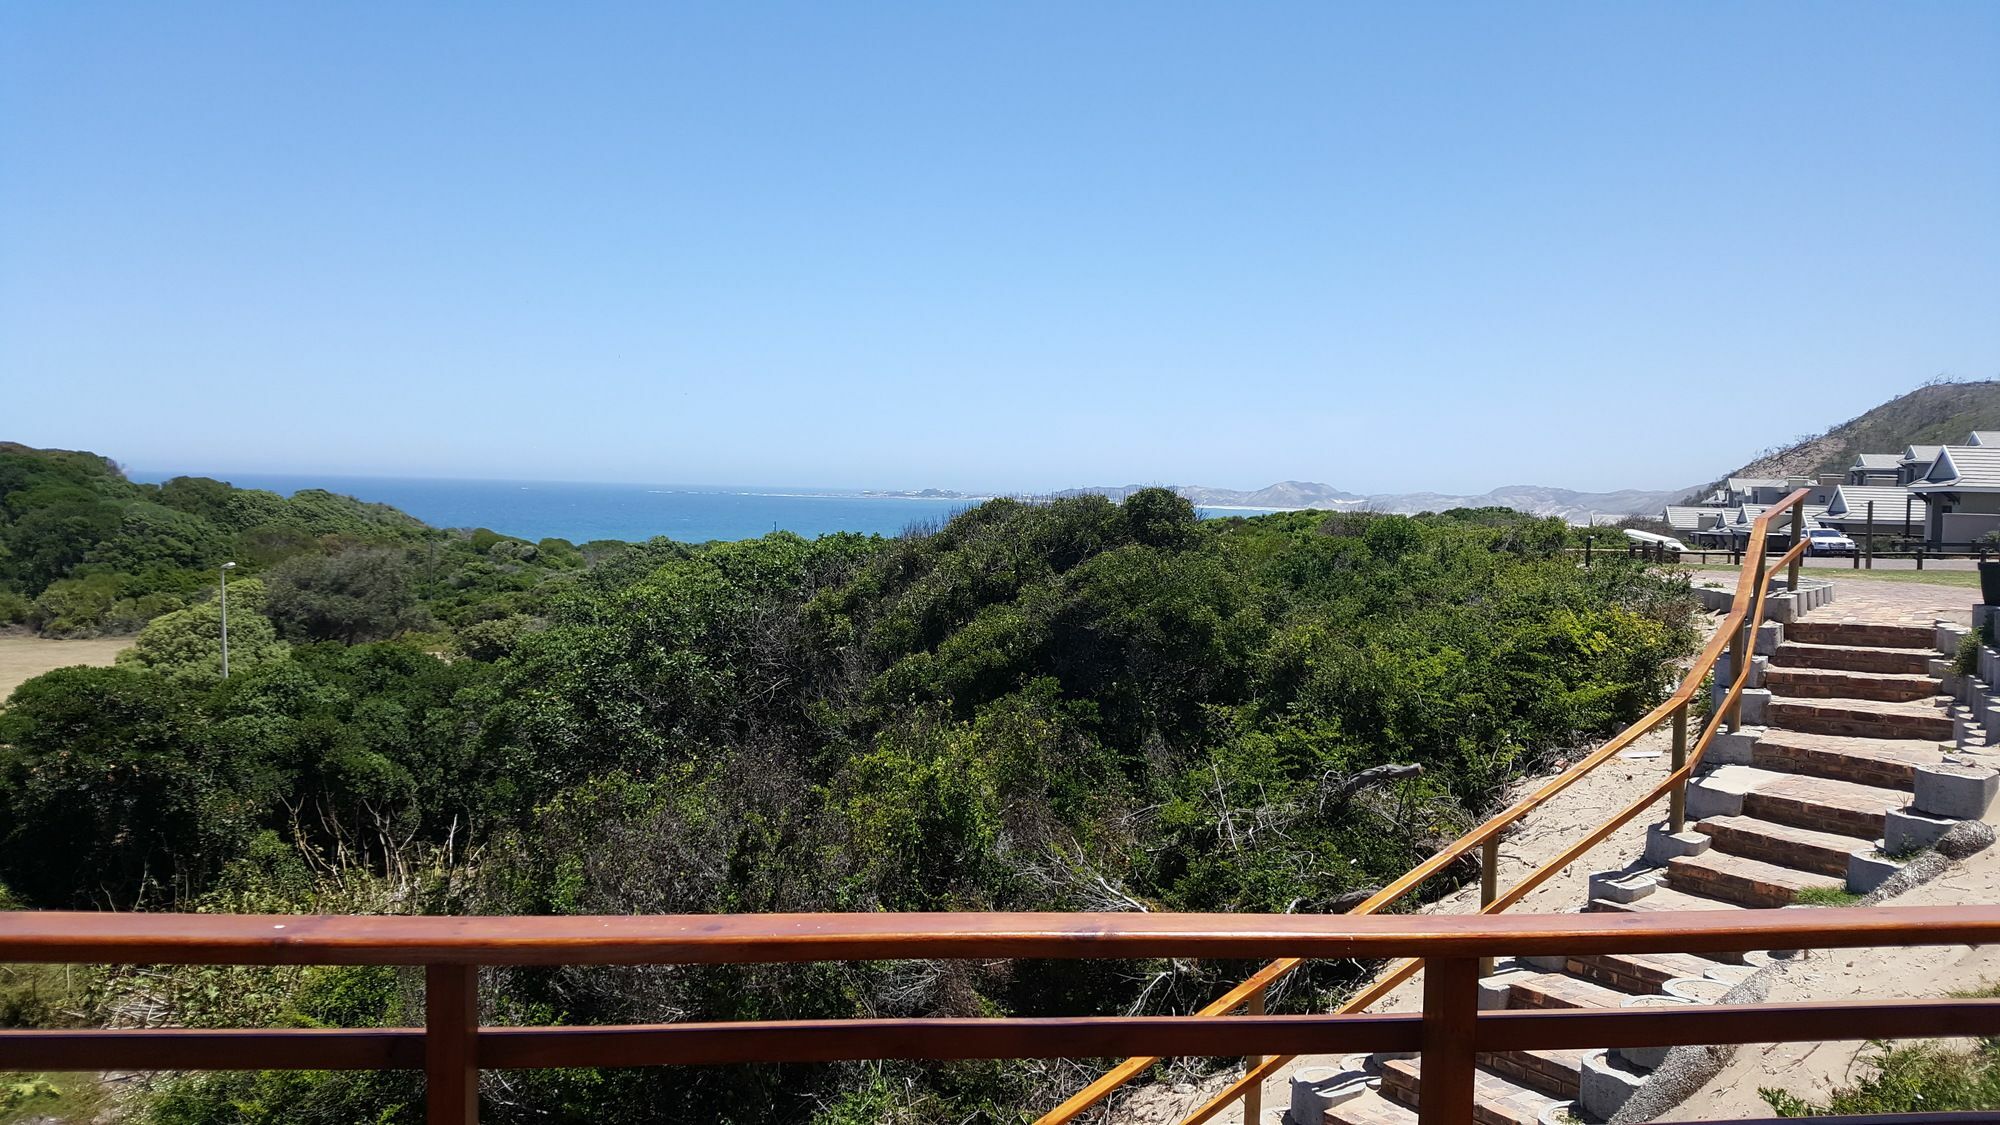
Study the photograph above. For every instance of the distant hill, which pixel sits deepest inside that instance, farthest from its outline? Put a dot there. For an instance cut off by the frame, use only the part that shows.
(1284, 494)
(1935, 414)
(1538, 500)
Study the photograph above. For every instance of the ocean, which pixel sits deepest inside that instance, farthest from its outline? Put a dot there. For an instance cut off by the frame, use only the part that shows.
(582, 512)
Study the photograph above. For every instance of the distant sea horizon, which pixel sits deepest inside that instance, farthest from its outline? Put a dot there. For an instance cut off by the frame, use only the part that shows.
(580, 512)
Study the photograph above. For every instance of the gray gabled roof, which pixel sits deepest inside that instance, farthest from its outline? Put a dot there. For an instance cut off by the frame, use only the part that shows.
(1683, 517)
(1983, 437)
(1744, 484)
(1963, 468)
(1850, 504)
(1736, 521)
(1924, 454)
(1889, 462)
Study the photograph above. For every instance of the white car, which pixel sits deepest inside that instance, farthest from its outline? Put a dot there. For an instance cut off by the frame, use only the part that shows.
(1827, 541)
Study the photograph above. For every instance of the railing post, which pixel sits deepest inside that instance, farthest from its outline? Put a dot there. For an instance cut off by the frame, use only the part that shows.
(1678, 801)
(451, 1038)
(1451, 1015)
(1588, 542)
(1798, 537)
(1489, 885)
(1870, 547)
(1253, 1098)
(1736, 651)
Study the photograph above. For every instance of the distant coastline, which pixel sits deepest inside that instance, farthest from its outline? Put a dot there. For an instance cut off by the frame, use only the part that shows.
(581, 512)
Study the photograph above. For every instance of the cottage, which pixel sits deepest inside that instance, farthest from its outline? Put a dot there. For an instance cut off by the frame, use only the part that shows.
(1916, 461)
(1963, 488)
(1737, 491)
(1890, 510)
(1876, 468)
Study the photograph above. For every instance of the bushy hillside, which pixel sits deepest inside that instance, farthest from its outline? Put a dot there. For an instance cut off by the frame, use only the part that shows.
(85, 551)
(1063, 706)
(1935, 414)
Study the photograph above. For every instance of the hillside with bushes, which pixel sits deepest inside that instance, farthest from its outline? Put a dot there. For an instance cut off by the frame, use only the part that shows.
(1073, 705)
(1934, 414)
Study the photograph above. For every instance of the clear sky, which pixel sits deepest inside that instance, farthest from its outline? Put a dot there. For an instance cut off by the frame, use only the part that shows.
(1009, 246)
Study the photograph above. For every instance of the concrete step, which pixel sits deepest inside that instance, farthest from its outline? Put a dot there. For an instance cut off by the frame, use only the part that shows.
(1824, 804)
(1560, 990)
(1637, 973)
(1559, 1074)
(1863, 718)
(1749, 882)
(1496, 1101)
(1864, 634)
(1802, 849)
(1832, 683)
(1853, 658)
(1370, 1108)
(1886, 763)
(1662, 898)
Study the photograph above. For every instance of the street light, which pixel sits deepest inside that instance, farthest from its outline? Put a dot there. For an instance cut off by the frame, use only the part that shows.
(226, 568)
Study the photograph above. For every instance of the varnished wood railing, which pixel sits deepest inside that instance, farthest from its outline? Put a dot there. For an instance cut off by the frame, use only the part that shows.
(1736, 634)
(452, 1047)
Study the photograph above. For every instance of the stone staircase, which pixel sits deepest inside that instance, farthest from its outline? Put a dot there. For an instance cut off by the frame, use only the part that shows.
(1856, 757)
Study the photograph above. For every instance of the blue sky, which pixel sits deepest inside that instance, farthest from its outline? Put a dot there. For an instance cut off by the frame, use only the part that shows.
(1011, 246)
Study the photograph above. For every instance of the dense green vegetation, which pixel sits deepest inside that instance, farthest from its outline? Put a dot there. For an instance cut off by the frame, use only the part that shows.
(1077, 705)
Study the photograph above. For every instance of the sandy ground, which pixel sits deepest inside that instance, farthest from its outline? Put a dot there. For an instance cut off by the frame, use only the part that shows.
(23, 657)
(1813, 1070)
(1807, 1068)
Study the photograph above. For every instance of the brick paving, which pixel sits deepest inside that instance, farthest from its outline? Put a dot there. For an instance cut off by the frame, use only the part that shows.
(1913, 603)
(1740, 879)
(1824, 804)
(1803, 849)
(1887, 763)
(1863, 718)
(1851, 658)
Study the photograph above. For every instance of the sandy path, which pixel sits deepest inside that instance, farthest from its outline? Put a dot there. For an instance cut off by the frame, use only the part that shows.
(23, 656)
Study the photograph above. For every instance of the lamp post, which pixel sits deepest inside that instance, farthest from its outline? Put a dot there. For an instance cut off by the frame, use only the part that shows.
(226, 568)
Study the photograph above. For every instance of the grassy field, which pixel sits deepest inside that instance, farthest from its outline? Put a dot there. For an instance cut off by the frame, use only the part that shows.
(1965, 579)
(23, 657)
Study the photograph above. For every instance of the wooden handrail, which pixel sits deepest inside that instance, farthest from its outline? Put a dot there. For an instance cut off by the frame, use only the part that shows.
(706, 939)
(1745, 606)
(452, 1048)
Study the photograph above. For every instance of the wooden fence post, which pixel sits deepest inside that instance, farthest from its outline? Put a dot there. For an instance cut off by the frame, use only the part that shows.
(1677, 802)
(1451, 1013)
(1489, 885)
(1798, 537)
(1736, 656)
(451, 1039)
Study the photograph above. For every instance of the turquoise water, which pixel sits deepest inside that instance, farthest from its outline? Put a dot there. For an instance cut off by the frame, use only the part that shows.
(582, 512)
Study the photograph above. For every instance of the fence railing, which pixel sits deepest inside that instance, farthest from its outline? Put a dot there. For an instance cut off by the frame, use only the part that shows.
(453, 1047)
(1735, 635)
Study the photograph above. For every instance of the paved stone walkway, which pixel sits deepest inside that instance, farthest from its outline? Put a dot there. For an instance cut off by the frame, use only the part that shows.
(1914, 603)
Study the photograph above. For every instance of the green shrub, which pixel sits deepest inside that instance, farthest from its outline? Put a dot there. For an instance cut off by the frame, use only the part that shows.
(1826, 896)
